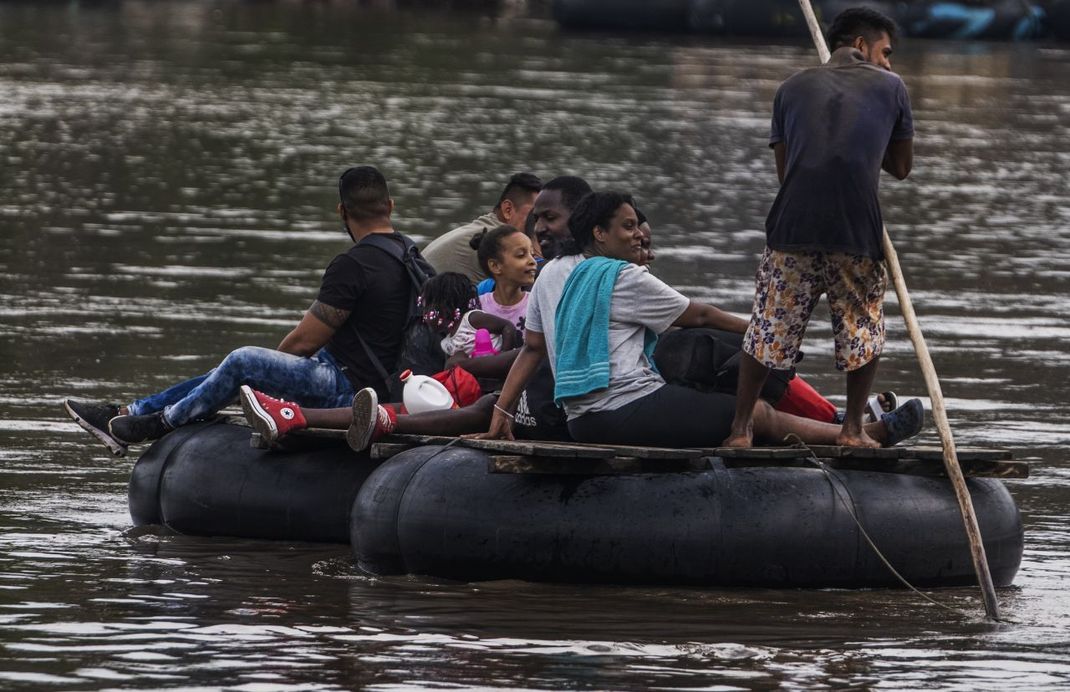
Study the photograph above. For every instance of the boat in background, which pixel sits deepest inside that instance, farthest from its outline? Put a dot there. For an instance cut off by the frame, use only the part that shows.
(1057, 19)
(1015, 20)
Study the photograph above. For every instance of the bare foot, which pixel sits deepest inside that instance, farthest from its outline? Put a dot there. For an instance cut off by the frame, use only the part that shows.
(861, 439)
(876, 431)
(742, 441)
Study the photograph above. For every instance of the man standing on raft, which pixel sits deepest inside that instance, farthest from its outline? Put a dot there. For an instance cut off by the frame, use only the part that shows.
(834, 128)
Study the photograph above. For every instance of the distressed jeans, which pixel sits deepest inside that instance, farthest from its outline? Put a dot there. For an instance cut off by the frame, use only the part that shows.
(316, 382)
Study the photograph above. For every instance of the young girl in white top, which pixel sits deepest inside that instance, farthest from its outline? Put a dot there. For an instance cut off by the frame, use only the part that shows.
(507, 254)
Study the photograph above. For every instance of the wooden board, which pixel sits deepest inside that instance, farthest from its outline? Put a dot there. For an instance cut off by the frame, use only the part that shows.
(385, 450)
(616, 465)
(835, 452)
(639, 451)
(515, 447)
(546, 457)
(784, 453)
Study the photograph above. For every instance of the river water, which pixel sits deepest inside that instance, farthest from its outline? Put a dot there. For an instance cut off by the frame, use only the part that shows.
(166, 195)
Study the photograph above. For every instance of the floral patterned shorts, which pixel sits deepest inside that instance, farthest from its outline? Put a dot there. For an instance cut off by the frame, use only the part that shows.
(788, 286)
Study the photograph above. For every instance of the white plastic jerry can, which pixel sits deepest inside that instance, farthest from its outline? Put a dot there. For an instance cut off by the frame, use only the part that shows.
(423, 393)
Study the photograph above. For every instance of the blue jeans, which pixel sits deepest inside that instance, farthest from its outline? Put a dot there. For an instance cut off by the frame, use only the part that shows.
(316, 382)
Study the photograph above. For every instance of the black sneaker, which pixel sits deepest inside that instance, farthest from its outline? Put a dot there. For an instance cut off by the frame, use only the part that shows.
(93, 418)
(904, 422)
(133, 429)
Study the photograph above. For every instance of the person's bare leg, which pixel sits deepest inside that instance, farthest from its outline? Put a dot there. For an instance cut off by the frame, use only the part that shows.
(372, 421)
(773, 426)
(859, 383)
(752, 376)
(332, 418)
(457, 421)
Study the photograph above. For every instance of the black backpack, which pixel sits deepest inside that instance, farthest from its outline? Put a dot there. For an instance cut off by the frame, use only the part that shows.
(708, 360)
(420, 349)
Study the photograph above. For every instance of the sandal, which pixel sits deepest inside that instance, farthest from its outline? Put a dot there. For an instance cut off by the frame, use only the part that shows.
(879, 404)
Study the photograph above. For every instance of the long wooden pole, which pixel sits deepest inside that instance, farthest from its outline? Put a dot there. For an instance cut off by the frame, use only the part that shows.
(932, 382)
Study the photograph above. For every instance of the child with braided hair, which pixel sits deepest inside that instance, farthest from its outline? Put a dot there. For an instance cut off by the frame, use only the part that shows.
(451, 307)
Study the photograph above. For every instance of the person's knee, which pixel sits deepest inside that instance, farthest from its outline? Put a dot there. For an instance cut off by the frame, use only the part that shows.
(242, 358)
(245, 365)
(485, 403)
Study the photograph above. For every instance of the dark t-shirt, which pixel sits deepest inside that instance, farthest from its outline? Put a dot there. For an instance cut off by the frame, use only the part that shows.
(537, 416)
(374, 287)
(836, 122)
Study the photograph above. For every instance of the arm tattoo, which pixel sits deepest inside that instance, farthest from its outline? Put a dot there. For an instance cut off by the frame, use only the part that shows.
(332, 317)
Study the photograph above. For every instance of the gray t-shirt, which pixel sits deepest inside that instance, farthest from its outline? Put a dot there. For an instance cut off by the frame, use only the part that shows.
(640, 302)
(453, 251)
(836, 122)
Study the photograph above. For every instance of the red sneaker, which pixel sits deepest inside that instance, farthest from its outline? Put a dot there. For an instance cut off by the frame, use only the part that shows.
(271, 417)
(370, 420)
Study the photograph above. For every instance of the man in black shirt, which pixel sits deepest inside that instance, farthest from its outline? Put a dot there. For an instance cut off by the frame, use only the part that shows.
(321, 362)
(834, 128)
(363, 290)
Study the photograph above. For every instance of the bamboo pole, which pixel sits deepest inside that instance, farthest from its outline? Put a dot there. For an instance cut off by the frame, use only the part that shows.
(932, 382)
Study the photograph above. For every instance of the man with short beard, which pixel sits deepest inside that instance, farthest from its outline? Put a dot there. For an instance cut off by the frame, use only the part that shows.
(834, 128)
(453, 251)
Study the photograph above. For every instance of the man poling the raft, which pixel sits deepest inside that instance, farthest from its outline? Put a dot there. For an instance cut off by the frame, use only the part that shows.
(950, 457)
(834, 128)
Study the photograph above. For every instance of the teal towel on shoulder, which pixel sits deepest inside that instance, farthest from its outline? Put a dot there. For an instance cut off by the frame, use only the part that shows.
(581, 340)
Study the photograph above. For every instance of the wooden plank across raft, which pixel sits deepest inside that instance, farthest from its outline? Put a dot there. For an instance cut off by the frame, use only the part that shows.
(529, 456)
(551, 457)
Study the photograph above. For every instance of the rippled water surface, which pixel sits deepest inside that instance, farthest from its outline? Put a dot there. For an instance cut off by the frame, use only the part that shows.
(166, 194)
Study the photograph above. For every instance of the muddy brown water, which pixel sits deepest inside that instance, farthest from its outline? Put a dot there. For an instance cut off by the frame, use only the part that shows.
(165, 196)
